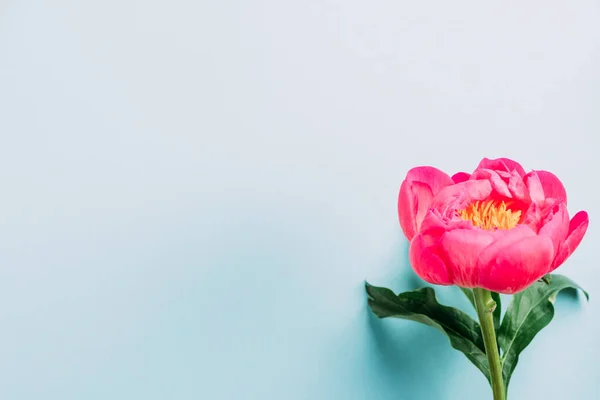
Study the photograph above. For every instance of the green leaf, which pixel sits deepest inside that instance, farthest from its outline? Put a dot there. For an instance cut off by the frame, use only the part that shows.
(528, 313)
(422, 306)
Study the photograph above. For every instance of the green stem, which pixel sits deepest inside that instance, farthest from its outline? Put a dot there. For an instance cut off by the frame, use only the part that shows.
(485, 307)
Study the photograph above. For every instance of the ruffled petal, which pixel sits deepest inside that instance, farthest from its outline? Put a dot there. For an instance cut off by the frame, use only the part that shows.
(416, 195)
(435, 178)
(534, 185)
(498, 184)
(501, 164)
(553, 187)
(461, 195)
(461, 177)
(533, 217)
(577, 228)
(435, 223)
(517, 187)
(413, 201)
(555, 225)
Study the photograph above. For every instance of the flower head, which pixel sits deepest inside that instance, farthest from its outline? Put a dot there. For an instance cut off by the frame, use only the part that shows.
(498, 228)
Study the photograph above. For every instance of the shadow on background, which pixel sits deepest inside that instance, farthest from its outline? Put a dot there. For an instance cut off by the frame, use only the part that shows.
(571, 295)
(408, 359)
(398, 274)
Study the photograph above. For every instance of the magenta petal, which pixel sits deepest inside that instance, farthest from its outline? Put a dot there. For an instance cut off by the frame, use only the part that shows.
(435, 178)
(498, 184)
(519, 264)
(517, 187)
(534, 185)
(461, 249)
(577, 228)
(501, 164)
(461, 177)
(408, 206)
(553, 187)
(426, 263)
(416, 195)
(503, 239)
(407, 210)
(556, 225)
(533, 217)
(413, 202)
(435, 223)
(424, 198)
(461, 195)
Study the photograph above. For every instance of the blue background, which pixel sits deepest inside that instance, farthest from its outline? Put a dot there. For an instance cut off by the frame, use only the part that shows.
(193, 193)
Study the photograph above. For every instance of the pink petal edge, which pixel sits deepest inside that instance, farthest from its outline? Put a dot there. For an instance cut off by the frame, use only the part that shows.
(426, 263)
(416, 195)
(577, 229)
(552, 186)
(501, 164)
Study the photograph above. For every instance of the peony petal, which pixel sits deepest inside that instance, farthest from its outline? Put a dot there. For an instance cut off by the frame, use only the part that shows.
(501, 164)
(407, 210)
(533, 217)
(505, 175)
(553, 187)
(555, 225)
(426, 263)
(503, 239)
(517, 265)
(435, 222)
(435, 178)
(498, 184)
(534, 185)
(416, 195)
(460, 248)
(461, 177)
(460, 195)
(413, 202)
(577, 228)
(517, 187)
(424, 197)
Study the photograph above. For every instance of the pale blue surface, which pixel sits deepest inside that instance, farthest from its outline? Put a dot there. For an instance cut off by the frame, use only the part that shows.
(194, 192)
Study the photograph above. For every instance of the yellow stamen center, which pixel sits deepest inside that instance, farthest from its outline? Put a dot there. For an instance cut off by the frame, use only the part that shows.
(491, 215)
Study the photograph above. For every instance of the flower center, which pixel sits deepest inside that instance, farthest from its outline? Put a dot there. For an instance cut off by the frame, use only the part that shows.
(490, 215)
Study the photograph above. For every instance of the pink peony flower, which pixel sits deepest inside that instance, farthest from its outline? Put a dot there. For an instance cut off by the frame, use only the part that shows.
(499, 228)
